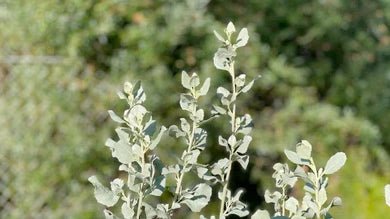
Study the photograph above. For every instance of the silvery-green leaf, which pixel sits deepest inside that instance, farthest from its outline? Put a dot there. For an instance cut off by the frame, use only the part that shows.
(171, 169)
(289, 180)
(103, 195)
(201, 197)
(150, 127)
(128, 87)
(311, 204)
(298, 217)
(116, 185)
(328, 216)
(220, 167)
(185, 80)
(243, 147)
(232, 141)
(309, 188)
(222, 141)
(135, 115)
(242, 38)
(223, 58)
(158, 186)
(138, 93)
(124, 167)
(261, 214)
(109, 215)
(322, 197)
(237, 207)
(292, 205)
(187, 102)
(336, 201)
(312, 177)
(387, 194)
(280, 217)
(199, 115)
(293, 157)
(149, 211)
(194, 81)
(203, 174)
(185, 126)
(272, 198)
(230, 28)
(192, 157)
(217, 110)
(121, 95)
(127, 212)
(304, 149)
(158, 138)
(300, 172)
(115, 117)
(205, 87)
(246, 124)
(240, 80)
(175, 206)
(247, 87)
(243, 161)
(121, 150)
(222, 92)
(219, 37)
(237, 196)
(174, 131)
(335, 163)
(200, 138)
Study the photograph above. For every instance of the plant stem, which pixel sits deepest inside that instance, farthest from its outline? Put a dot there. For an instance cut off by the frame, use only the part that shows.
(233, 125)
(283, 200)
(316, 184)
(181, 176)
(140, 193)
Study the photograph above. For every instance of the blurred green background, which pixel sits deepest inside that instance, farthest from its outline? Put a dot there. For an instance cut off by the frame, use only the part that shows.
(325, 67)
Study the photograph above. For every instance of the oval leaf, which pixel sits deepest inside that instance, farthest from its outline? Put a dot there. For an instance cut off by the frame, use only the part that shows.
(335, 163)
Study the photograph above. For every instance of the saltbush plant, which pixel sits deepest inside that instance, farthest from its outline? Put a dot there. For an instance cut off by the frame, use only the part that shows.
(146, 174)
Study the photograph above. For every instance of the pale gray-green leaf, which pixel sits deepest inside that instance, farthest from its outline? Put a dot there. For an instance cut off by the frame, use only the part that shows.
(292, 205)
(223, 58)
(242, 38)
(158, 186)
(304, 149)
(219, 37)
(185, 126)
(240, 80)
(103, 195)
(387, 194)
(230, 28)
(109, 215)
(200, 198)
(335, 163)
(127, 212)
(217, 110)
(187, 102)
(205, 87)
(115, 117)
(174, 131)
(185, 80)
(322, 197)
(261, 214)
(292, 156)
(158, 138)
(243, 147)
(194, 81)
(128, 87)
(243, 161)
(121, 150)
